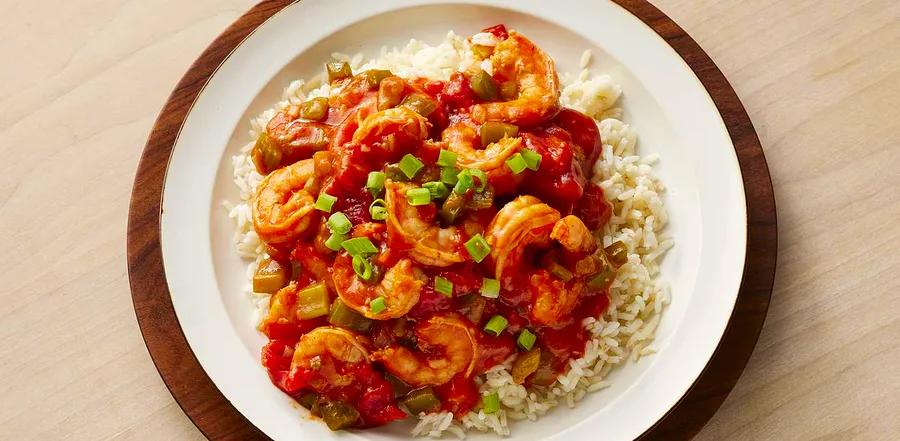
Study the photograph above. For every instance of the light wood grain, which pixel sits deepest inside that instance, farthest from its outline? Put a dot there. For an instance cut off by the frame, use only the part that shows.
(83, 81)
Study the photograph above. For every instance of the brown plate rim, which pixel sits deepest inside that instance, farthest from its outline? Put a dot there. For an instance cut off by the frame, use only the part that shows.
(214, 415)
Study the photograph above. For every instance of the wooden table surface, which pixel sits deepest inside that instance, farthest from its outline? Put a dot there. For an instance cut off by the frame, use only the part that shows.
(82, 81)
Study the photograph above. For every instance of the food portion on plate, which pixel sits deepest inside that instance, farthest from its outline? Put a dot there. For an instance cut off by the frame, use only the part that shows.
(449, 232)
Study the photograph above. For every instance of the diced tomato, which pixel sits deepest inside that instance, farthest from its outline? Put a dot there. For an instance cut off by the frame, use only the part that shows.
(592, 305)
(564, 343)
(493, 350)
(457, 94)
(560, 180)
(593, 208)
(376, 406)
(430, 302)
(277, 354)
(498, 30)
(584, 132)
(458, 395)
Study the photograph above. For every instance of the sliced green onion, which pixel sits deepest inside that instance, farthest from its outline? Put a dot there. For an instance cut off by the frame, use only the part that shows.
(446, 158)
(526, 339)
(490, 403)
(338, 223)
(359, 246)
(478, 248)
(481, 177)
(517, 163)
(437, 189)
(418, 196)
(362, 267)
(443, 286)
(375, 182)
(448, 175)
(325, 202)
(393, 172)
(334, 241)
(377, 209)
(490, 288)
(410, 165)
(377, 305)
(532, 159)
(464, 183)
(496, 325)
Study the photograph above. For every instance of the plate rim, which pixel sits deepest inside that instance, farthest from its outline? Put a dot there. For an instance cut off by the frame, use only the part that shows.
(217, 419)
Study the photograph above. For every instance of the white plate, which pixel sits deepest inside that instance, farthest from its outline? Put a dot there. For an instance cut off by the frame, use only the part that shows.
(663, 100)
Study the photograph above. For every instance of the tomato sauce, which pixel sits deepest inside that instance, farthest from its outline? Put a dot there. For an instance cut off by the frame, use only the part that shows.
(568, 144)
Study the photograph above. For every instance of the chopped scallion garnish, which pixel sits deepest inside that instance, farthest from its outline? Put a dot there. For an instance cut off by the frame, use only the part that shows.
(490, 288)
(490, 403)
(517, 163)
(377, 209)
(334, 241)
(478, 248)
(532, 159)
(448, 175)
(446, 158)
(526, 339)
(418, 196)
(325, 202)
(437, 189)
(410, 165)
(359, 246)
(338, 223)
(480, 178)
(375, 182)
(464, 182)
(377, 305)
(496, 325)
(443, 286)
(362, 267)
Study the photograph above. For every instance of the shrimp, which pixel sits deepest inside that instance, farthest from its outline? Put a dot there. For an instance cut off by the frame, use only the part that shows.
(284, 203)
(430, 244)
(462, 138)
(552, 299)
(400, 288)
(528, 222)
(392, 128)
(520, 60)
(448, 347)
(573, 235)
(523, 222)
(314, 356)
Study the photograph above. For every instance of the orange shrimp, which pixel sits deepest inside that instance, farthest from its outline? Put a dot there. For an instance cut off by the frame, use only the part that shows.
(317, 350)
(520, 60)
(430, 244)
(528, 222)
(400, 288)
(284, 203)
(462, 138)
(448, 347)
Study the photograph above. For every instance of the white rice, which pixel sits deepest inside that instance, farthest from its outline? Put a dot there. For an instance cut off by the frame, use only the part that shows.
(637, 297)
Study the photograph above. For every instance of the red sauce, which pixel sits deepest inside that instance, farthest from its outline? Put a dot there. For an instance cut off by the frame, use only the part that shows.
(498, 30)
(568, 145)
